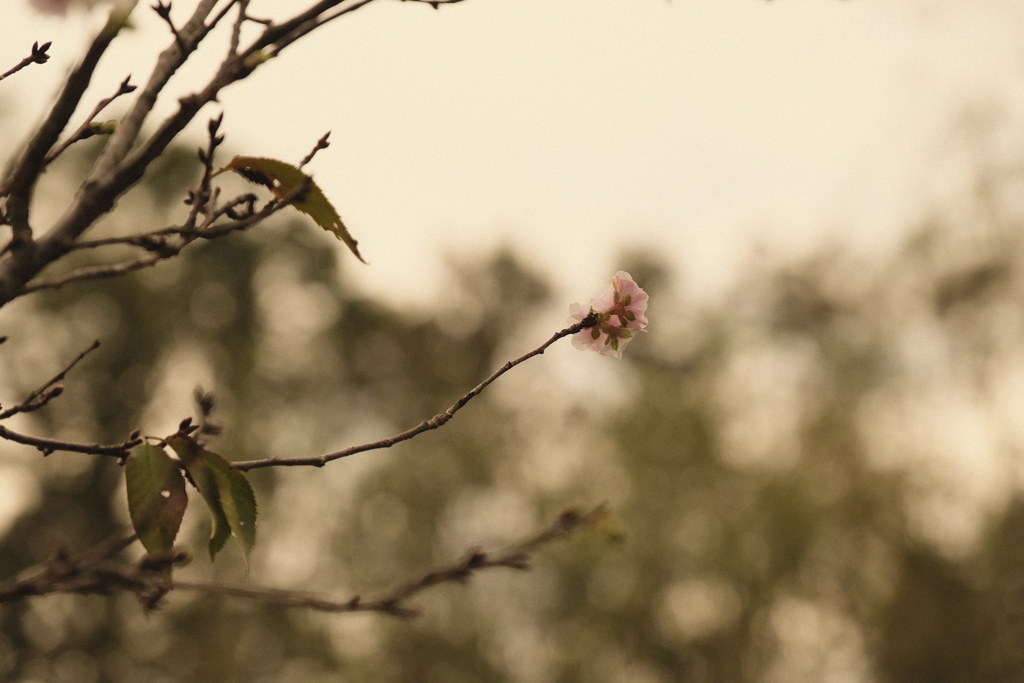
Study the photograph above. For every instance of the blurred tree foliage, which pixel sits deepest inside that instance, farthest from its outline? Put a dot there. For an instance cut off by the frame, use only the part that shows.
(789, 466)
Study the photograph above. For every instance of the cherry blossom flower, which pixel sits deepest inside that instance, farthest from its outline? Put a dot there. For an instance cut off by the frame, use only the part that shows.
(619, 312)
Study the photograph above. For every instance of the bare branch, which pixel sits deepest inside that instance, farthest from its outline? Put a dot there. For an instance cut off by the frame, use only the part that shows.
(236, 28)
(163, 10)
(162, 249)
(89, 127)
(187, 39)
(102, 272)
(516, 557)
(124, 160)
(89, 572)
(396, 601)
(288, 31)
(66, 573)
(20, 180)
(37, 56)
(433, 423)
(47, 391)
(240, 209)
(322, 143)
(48, 446)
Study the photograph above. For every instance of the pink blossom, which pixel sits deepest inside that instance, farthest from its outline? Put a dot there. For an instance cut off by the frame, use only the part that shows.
(619, 311)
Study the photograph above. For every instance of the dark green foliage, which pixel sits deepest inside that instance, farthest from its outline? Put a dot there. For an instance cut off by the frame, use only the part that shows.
(754, 451)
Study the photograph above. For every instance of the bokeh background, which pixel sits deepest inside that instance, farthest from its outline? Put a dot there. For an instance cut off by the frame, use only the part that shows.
(815, 453)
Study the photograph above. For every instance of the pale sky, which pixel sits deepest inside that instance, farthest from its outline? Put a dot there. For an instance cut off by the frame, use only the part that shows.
(570, 128)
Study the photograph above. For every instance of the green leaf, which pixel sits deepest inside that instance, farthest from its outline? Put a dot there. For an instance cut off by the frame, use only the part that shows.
(227, 493)
(156, 498)
(191, 454)
(283, 180)
(237, 499)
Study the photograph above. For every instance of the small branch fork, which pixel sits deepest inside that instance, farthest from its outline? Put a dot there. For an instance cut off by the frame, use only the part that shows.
(39, 398)
(89, 127)
(95, 572)
(49, 390)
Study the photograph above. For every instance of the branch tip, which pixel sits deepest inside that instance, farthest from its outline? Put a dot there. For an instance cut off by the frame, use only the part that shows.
(39, 55)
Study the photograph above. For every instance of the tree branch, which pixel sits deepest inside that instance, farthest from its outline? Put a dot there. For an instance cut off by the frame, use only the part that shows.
(161, 248)
(42, 395)
(87, 129)
(186, 40)
(322, 143)
(102, 272)
(90, 573)
(67, 573)
(20, 180)
(123, 162)
(48, 446)
(433, 423)
(164, 12)
(37, 56)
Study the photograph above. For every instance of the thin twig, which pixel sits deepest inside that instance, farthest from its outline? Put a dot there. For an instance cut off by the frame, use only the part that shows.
(322, 143)
(69, 573)
(154, 240)
(37, 56)
(47, 446)
(162, 250)
(433, 423)
(236, 28)
(164, 12)
(22, 177)
(279, 36)
(395, 601)
(101, 272)
(200, 198)
(91, 572)
(42, 395)
(87, 129)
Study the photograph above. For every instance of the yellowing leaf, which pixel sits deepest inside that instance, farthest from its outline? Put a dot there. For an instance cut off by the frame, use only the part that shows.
(227, 493)
(284, 180)
(156, 497)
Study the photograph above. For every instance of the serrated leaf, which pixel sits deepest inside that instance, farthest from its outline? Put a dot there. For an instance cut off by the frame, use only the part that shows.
(237, 501)
(156, 498)
(191, 454)
(226, 491)
(283, 180)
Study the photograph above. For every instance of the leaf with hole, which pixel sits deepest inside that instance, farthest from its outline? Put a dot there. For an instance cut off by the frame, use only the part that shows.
(290, 182)
(156, 498)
